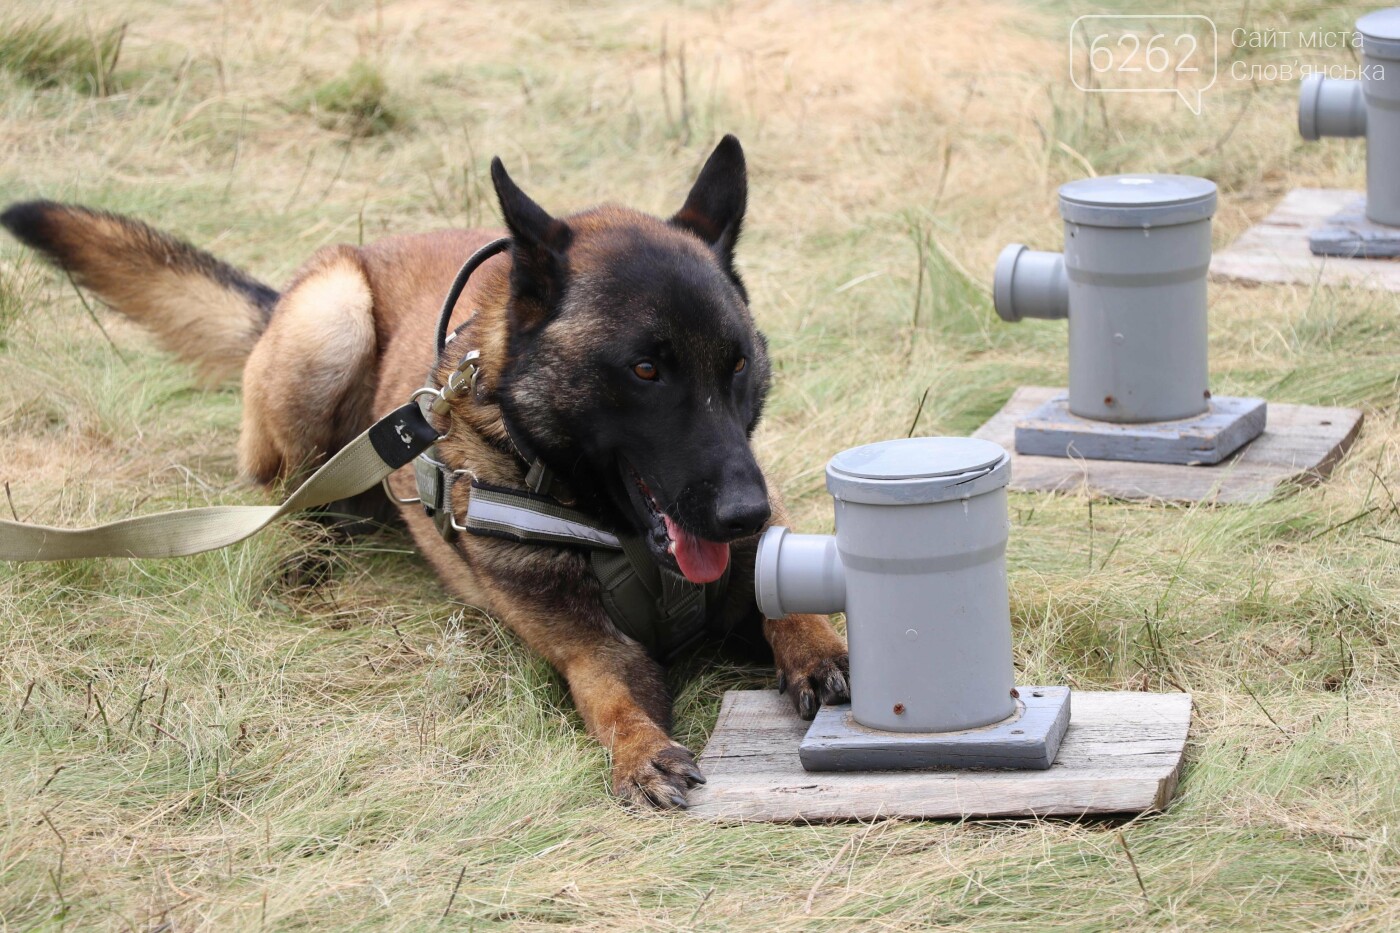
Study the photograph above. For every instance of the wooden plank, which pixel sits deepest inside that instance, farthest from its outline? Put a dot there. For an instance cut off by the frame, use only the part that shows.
(1277, 250)
(1300, 445)
(1229, 424)
(1122, 753)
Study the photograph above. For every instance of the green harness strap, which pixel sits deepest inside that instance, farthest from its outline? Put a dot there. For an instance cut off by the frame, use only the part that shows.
(658, 607)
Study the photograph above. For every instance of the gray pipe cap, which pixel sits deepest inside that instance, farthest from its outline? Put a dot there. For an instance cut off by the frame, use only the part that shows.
(1380, 34)
(1137, 200)
(918, 470)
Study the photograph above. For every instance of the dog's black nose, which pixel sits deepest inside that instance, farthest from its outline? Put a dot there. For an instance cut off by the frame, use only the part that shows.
(743, 514)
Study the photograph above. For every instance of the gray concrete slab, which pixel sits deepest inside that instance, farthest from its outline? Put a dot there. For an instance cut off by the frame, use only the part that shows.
(1052, 430)
(1027, 740)
(1349, 234)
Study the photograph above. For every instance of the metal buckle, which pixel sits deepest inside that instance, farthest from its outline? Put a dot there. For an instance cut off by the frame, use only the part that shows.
(467, 372)
(462, 379)
(454, 381)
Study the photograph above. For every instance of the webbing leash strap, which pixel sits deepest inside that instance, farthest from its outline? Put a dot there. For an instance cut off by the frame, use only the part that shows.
(389, 443)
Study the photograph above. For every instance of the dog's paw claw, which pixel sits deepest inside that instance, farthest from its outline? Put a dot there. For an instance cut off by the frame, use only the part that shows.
(660, 781)
(821, 681)
(835, 688)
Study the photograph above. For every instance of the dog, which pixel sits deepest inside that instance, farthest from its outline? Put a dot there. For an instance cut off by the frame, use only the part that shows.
(614, 350)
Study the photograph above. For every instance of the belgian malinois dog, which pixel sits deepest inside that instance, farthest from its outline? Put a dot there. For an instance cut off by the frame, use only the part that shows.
(616, 348)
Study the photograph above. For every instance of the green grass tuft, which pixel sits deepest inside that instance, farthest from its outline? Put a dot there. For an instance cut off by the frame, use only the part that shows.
(358, 102)
(48, 52)
(11, 301)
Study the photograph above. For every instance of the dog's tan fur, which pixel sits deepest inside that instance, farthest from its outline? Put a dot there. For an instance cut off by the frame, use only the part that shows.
(348, 341)
(304, 386)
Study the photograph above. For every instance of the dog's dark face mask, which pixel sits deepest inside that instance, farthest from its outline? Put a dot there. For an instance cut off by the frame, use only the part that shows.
(635, 369)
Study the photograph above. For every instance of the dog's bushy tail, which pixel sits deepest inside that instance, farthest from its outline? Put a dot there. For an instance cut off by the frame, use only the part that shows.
(199, 307)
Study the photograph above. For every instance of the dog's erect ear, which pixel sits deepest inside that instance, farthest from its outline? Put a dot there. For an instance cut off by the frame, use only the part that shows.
(538, 263)
(714, 209)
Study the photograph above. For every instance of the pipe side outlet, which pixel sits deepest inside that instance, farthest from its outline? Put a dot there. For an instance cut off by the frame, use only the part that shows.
(798, 573)
(1331, 107)
(1030, 284)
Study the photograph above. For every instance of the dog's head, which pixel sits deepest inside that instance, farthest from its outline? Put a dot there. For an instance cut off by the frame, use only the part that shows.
(634, 367)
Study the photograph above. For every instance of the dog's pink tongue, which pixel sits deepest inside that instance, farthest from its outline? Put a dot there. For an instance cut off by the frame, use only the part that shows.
(701, 561)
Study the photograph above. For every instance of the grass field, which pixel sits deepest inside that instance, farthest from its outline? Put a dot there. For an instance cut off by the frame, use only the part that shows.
(204, 744)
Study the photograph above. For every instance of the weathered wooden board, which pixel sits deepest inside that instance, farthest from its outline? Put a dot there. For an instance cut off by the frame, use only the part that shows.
(1052, 430)
(1277, 250)
(1121, 754)
(1028, 739)
(1300, 445)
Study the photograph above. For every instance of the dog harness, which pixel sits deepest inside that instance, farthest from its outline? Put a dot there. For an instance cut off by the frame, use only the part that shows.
(652, 604)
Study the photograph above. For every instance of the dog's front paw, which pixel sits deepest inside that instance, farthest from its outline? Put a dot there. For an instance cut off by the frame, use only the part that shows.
(816, 681)
(814, 666)
(656, 773)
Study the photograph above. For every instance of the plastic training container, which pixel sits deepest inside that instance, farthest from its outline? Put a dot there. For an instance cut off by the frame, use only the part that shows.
(918, 564)
(1132, 281)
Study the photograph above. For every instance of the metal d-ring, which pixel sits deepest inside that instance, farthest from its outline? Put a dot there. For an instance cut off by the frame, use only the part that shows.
(439, 404)
(393, 498)
(425, 390)
(451, 515)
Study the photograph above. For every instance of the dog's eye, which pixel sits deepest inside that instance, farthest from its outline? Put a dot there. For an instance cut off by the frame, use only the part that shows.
(646, 369)
(740, 366)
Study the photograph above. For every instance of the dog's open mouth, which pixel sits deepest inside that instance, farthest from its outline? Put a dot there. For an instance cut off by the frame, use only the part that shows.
(699, 560)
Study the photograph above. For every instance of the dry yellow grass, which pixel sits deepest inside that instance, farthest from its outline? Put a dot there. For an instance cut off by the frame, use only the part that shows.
(197, 744)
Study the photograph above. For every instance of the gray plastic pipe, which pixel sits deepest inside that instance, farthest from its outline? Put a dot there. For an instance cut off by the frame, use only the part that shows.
(918, 564)
(1369, 107)
(1132, 281)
